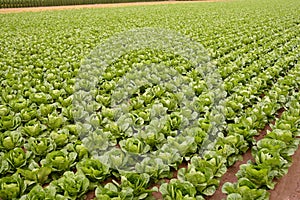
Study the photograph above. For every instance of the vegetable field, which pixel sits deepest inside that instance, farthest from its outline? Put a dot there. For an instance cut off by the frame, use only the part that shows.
(80, 120)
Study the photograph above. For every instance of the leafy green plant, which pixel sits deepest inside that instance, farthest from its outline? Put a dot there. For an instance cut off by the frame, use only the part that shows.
(59, 160)
(154, 167)
(138, 183)
(35, 174)
(244, 189)
(93, 169)
(17, 157)
(40, 146)
(179, 190)
(10, 139)
(11, 187)
(201, 174)
(71, 186)
(36, 193)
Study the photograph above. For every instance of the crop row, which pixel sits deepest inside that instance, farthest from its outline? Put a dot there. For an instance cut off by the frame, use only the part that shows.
(272, 157)
(245, 128)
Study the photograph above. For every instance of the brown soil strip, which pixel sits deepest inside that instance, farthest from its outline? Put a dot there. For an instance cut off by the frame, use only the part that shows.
(90, 195)
(268, 127)
(229, 176)
(158, 195)
(288, 187)
(50, 8)
(264, 132)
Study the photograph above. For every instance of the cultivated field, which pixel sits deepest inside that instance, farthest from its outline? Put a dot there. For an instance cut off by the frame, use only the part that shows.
(171, 101)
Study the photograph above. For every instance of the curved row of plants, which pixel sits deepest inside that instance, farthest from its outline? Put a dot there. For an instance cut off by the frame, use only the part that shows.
(272, 157)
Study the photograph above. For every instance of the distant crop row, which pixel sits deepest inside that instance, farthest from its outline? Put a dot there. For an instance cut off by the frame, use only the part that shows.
(39, 3)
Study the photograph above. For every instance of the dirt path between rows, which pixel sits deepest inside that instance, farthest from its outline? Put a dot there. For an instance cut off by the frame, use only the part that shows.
(288, 187)
(49, 8)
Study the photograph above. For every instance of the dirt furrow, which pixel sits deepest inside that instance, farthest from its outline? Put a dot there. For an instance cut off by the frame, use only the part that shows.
(229, 176)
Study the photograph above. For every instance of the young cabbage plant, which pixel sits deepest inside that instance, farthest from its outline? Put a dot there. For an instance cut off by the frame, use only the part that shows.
(201, 174)
(93, 169)
(244, 189)
(34, 173)
(176, 189)
(40, 146)
(10, 140)
(71, 185)
(5, 167)
(17, 157)
(134, 145)
(112, 191)
(10, 122)
(138, 183)
(12, 187)
(36, 193)
(155, 167)
(33, 128)
(59, 160)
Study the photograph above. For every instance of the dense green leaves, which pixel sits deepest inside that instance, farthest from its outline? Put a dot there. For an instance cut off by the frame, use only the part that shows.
(43, 139)
(11, 187)
(93, 169)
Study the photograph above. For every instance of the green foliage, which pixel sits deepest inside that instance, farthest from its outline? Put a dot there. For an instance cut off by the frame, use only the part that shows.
(71, 185)
(11, 187)
(179, 190)
(59, 160)
(93, 169)
(43, 139)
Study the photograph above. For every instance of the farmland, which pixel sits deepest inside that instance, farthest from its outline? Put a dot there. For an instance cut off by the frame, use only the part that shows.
(149, 102)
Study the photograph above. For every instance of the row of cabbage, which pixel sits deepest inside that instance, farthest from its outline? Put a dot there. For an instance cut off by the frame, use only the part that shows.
(272, 157)
(204, 172)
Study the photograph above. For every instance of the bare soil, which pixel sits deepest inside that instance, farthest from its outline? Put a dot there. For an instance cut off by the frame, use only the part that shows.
(288, 187)
(50, 8)
(229, 176)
